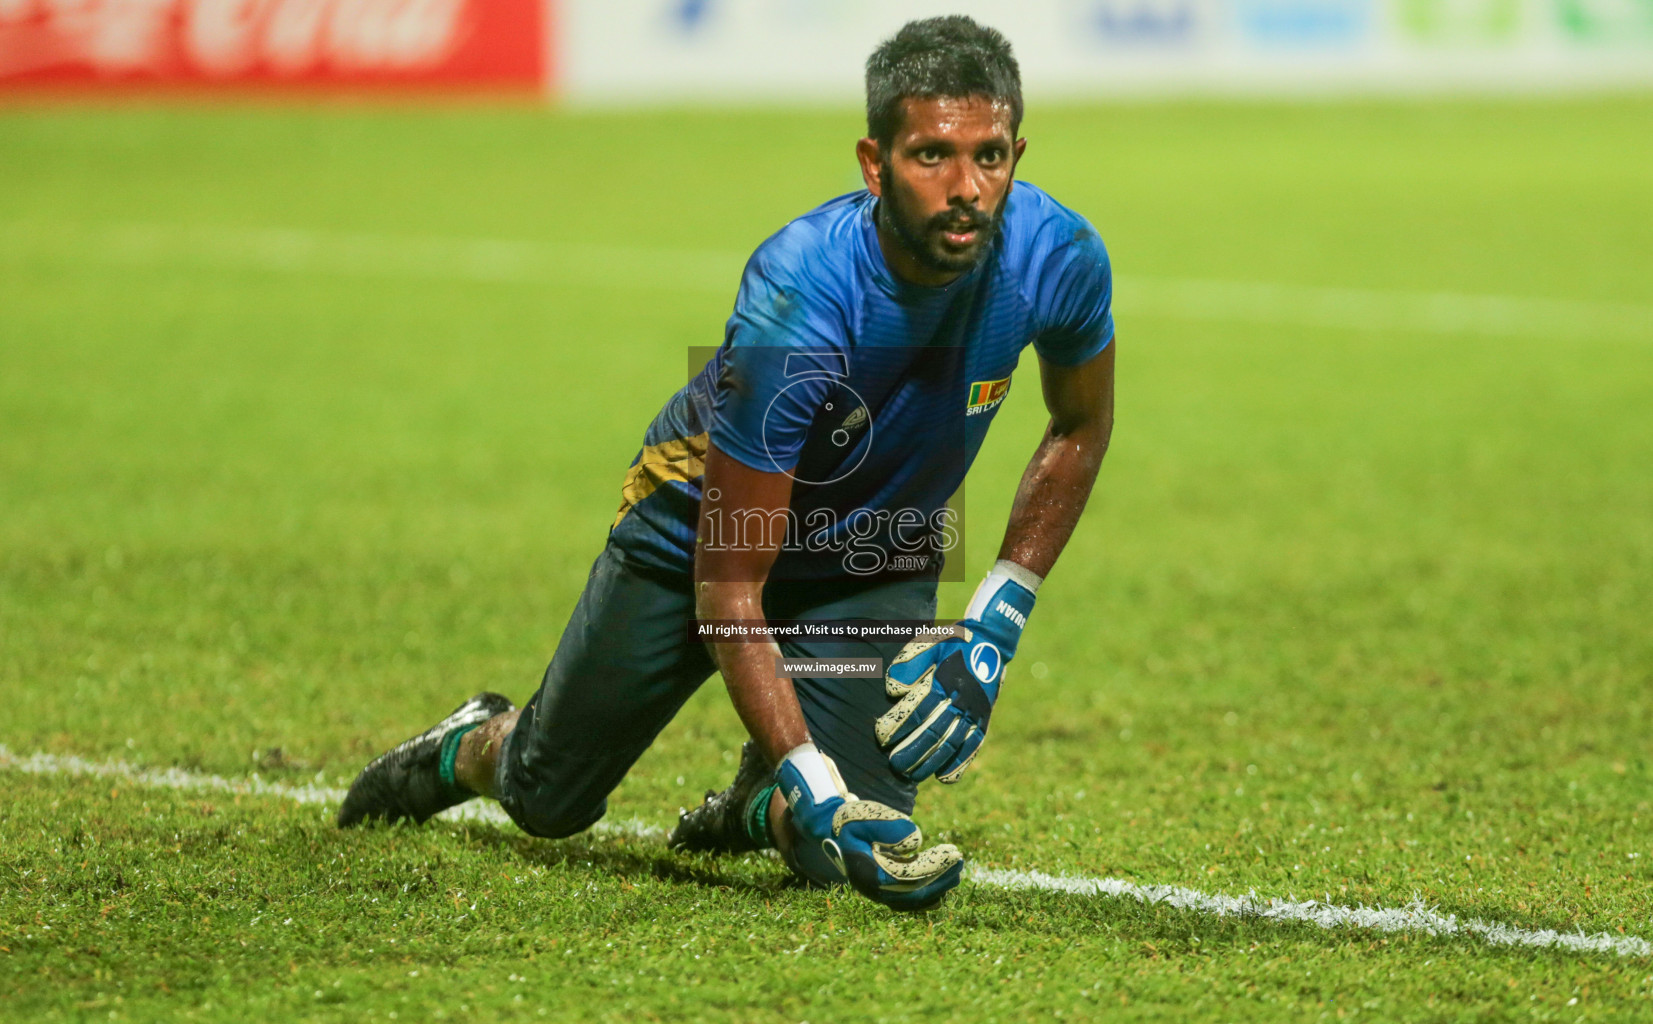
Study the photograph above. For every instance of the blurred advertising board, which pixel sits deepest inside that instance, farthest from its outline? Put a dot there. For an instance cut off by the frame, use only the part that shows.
(465, 44)
(672, 51)
(651, 50)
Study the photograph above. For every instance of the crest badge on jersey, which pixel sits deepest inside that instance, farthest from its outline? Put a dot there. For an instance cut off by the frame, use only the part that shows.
(986, 395)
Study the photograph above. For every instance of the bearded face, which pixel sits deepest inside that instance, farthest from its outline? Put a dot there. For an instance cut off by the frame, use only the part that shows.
(948, 242)
(942, 179)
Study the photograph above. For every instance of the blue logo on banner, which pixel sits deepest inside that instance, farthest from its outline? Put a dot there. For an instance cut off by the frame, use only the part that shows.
(1144, 22)
(1306, 23)
(691, 14)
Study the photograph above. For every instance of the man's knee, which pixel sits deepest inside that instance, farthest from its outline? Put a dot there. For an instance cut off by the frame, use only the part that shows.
(551, 818)
(551, 798)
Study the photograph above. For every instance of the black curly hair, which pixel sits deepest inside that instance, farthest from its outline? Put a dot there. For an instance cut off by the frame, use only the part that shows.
(950, 56)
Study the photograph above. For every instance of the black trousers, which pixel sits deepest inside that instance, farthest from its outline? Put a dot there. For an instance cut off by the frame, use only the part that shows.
(627, 662)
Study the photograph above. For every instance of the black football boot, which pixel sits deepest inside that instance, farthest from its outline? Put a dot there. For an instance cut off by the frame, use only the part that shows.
(406, 781)
(719, 825)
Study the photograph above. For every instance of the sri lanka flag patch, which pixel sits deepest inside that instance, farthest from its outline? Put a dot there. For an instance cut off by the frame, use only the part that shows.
(985, 395)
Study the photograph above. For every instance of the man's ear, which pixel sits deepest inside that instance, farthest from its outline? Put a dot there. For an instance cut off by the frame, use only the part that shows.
(1017, 148)
(872, 165)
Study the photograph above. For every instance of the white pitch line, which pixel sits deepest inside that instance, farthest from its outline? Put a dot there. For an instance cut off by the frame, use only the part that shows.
(354, 254)
(306, 793)
(1415, 917)
(716, 271)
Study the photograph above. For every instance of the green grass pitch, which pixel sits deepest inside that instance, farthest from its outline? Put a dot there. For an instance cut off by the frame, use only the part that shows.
(293, 457)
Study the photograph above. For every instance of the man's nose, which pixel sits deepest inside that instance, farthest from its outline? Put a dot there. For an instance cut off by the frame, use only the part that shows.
(965, 188)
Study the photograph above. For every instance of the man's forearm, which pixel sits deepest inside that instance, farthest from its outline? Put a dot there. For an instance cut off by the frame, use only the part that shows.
(729, 575)
(764, 700)
(1051, 497)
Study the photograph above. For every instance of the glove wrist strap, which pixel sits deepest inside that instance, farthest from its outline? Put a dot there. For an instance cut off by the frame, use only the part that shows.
(1003, 571)
(815, 773)
(1018, 572)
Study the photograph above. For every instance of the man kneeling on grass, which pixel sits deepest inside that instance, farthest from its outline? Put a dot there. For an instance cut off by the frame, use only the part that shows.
(872, 342)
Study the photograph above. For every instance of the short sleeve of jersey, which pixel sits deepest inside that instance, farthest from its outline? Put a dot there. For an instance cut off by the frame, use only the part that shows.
(784, 352)
(1075, 299)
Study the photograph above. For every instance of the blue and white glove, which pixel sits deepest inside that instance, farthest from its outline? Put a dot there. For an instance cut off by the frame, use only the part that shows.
(838, 839)
(945, 689)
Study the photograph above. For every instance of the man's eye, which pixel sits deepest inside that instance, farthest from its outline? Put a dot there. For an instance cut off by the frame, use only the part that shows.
(929, 155)
(991, 156)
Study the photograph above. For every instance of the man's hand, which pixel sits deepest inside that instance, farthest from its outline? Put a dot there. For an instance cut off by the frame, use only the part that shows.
(877, 849)
(945, 689)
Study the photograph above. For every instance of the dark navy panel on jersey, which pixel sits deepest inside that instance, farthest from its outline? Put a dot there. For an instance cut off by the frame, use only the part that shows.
(874, 394)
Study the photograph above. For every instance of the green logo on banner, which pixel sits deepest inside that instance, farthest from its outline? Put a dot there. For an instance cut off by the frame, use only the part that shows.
(1606, 21)
(1460, 21)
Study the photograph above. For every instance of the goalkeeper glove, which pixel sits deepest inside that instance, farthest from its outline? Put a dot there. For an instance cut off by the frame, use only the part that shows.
(945, 689)
(837, 838)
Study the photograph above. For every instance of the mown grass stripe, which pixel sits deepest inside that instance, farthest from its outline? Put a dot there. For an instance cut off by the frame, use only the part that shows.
(350, 254)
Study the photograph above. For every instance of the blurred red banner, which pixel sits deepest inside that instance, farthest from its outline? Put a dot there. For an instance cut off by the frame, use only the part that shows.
(485, 44)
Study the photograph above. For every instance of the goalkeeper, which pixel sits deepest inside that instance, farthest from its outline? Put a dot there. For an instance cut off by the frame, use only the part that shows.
(804, 475)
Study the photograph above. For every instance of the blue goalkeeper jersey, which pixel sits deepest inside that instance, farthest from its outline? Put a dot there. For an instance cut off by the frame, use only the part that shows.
(873, 394)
